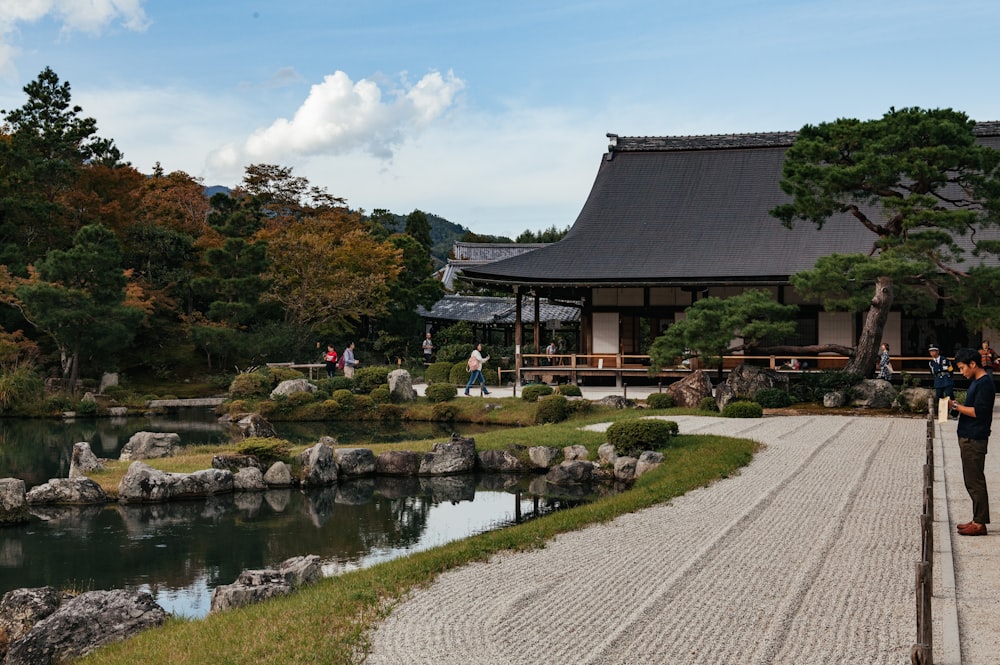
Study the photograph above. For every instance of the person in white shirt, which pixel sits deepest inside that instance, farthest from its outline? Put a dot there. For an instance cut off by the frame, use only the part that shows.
(475, 366)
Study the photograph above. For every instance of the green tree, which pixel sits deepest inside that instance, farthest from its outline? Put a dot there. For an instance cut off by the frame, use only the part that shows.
(551, 234)
(916, 179)
(419, 228)
(716, 327)
(47, 148)
(78, 300)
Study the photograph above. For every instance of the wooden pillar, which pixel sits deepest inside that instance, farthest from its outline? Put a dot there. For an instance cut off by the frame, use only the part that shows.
(518, 337)
(538, 327)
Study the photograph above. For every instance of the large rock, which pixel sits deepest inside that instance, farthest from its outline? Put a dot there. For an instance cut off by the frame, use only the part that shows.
(69, 491)
(544, 457)
(83, 623)
(917, 400)
(615, 402)
(150, 445)
(874, 394)
(254, 425)
(690, 390)
(235, 462)
(571, 473)
(278, 474)
(401, 386)
(508, 460)
(83, 460)
(319, 467)
(355, 461)
(292, 386)
(253, 586)
(607, 454)
(455, 456)
(576, 452)
(625, 467)
(13, 504)
(249, 479)
(398, 463)
(20, 609)
(745, 381)
(648, 461)
(144, 484)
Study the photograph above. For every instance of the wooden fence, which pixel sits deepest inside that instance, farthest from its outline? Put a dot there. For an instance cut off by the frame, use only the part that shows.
(922, 652)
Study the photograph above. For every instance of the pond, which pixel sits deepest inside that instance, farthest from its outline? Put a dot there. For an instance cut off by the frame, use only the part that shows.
(180, 551)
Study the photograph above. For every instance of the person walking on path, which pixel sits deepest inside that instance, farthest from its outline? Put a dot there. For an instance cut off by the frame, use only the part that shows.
(987, 357)
(884, 367)
(975, 419)
(941, 369)
(330, 358)
(475, 367)
(349, 361)
(428, 346)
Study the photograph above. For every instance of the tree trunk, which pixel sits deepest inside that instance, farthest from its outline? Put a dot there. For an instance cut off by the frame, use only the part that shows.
(871, 333)
(803, 350)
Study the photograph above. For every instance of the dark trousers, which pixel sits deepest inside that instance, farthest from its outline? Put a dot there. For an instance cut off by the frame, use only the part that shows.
(973, 463)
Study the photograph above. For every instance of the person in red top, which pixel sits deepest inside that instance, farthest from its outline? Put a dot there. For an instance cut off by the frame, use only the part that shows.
(330, 358)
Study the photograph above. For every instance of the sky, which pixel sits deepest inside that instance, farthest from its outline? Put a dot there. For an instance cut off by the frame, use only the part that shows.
(492, 115)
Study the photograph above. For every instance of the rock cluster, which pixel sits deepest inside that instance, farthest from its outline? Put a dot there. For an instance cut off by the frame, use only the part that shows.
(254, 586)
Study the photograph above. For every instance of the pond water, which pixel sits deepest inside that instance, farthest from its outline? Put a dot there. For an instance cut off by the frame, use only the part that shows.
(180, 551)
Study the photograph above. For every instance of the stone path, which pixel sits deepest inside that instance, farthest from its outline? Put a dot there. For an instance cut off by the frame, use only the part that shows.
(804, 557)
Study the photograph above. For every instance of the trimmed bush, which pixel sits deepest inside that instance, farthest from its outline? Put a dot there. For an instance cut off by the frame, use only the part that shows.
(579, 407)
(388, 412)
(551, 409)
(327, 409)
(381, 395)
(367, 379)
(743, 410)
(660, 401)
(266, 450)
(444, 413)
(438, 373)
(569, 390)
(708, 404)
(249, 385)
(279, 374)
(459, 374)
(441, 392)
(632, 437)
(301, 398)
(534, 391)
(86, 407)
(772, 398)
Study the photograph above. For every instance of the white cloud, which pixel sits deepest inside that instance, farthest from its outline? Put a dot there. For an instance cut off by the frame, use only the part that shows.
(341, 116)
(90, 16)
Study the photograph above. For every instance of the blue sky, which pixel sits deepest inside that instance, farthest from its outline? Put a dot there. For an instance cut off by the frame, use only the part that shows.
(492, 115)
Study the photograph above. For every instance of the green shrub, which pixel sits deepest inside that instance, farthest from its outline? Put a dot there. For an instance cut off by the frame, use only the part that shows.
(300, 398)
(266, 450)
(343, 396)
(279, 374)
(578, 407)
(742, 410)
(438, 373)
(273, 408)
(444, 413)
(569, 390)
(381, 395)
(86, 407)
(388, 412)
(534, 391)
(632, 437)
(327, 409)
(249, 385)
(341, 383)
(813, 385)
(660, 401)
(708, 404)
(772, 398)
(459, 374)
(367, 379)
(58, 403)
(441, 392)
(551, 409)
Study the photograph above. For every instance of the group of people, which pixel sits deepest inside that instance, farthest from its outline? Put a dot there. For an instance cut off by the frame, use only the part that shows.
(346, 362)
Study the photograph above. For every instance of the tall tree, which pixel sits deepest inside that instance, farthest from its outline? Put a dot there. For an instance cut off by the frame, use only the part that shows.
(78, 298)
(916, 179)
(419, 228)
(47, 147)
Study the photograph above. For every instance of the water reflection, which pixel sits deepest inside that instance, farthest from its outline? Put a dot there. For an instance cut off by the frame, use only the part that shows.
(179, 551)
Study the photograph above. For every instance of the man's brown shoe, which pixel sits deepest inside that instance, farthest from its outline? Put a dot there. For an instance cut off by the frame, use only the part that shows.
(973, 530)
(964, 525)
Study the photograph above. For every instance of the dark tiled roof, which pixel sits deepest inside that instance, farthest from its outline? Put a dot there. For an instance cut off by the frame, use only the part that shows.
(674, 210)
(495, 310)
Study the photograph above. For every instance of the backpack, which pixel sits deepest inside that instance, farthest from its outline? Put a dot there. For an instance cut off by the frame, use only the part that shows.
(340, 362)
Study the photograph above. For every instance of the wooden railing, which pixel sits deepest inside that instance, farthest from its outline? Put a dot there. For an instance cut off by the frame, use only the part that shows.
(922, 651)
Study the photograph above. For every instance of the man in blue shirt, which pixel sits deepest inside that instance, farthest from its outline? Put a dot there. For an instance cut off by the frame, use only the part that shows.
(975, 418)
